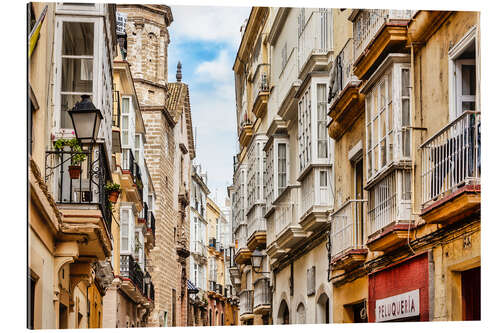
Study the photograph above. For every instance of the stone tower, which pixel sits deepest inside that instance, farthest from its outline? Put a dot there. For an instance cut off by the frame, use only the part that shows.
(167, 150)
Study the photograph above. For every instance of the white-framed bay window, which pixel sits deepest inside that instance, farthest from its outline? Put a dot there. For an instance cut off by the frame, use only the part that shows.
(256, 172)
(277, 168)
(388, 143)
(388, 121)
(316, 189)
(314, 142)
(127, 223)
(139, 247)
(127, 122)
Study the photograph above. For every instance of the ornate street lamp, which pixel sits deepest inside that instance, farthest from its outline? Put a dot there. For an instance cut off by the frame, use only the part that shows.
(86, 120)
(257, 258)
(147, 278)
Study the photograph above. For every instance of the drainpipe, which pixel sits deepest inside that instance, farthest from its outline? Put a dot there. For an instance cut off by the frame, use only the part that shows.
(430, 256)
(88, 308)
(412, 113)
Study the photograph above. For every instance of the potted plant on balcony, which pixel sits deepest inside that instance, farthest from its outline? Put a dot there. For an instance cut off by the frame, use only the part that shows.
(77, 156)
(113, 191)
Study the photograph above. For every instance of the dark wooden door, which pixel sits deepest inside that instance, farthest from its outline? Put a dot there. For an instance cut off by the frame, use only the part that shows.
(471, 294)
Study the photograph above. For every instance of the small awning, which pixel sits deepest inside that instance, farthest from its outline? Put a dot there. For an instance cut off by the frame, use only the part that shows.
(192, 288)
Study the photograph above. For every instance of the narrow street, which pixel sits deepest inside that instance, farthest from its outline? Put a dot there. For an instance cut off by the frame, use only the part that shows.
(262, 166)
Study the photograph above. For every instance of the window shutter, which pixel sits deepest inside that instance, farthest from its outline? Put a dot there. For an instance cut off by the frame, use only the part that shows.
(311, 281)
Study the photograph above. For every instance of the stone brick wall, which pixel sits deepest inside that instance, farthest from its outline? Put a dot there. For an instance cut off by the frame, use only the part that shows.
(161, 166)
(147, 42)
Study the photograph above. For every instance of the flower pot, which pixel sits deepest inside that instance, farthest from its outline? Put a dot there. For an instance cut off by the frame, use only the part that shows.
(113, 196)
(74, 171)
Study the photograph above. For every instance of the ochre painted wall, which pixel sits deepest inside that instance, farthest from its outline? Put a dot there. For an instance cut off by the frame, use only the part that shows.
(349, 293)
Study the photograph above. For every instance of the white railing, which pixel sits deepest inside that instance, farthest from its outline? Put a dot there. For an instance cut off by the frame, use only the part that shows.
(256, 221)
(347, 225)
(262, 293)
(260, 81)
(452, 156)
(246, 302)
(286, 210)
(316, 38)
(368, 23)
(382, 204)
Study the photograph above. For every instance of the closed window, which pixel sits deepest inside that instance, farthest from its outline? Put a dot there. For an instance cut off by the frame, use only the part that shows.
(125, 122)
(281, 167)
(125, 217)
(305, 144)
(322, 134)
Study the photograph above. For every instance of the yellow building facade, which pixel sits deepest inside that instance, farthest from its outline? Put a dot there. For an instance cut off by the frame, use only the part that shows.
(69, 223)
(404, 109)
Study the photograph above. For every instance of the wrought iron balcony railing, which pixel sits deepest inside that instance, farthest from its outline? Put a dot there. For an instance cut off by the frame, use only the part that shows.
(369, 22)
(261, 81)
(262, 293)
(129, 268)
(218, 288)
(144, 212)
(212, 285)
(152, 222)
(343, 73)
(347, 227)
(87, 186)
(452, 157)
(129, 164)
(151, 291)
(246, 302)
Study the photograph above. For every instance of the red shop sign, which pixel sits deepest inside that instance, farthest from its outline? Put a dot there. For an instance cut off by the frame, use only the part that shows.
(400, 291)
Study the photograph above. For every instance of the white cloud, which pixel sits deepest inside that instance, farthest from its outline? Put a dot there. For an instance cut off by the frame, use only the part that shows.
(219, 69)
(217, 24)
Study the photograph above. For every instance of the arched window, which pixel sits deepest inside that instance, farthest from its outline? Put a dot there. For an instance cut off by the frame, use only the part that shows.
(210, 317)
(301, 314)
(323, 309)
(283, 314)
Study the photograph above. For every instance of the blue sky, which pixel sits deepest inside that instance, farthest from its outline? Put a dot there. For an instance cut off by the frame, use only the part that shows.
(205, 40)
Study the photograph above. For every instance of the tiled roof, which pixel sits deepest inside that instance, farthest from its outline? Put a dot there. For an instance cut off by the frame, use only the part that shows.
(174, 95)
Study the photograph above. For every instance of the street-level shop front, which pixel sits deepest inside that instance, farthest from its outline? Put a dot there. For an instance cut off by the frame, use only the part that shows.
(400, 292)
